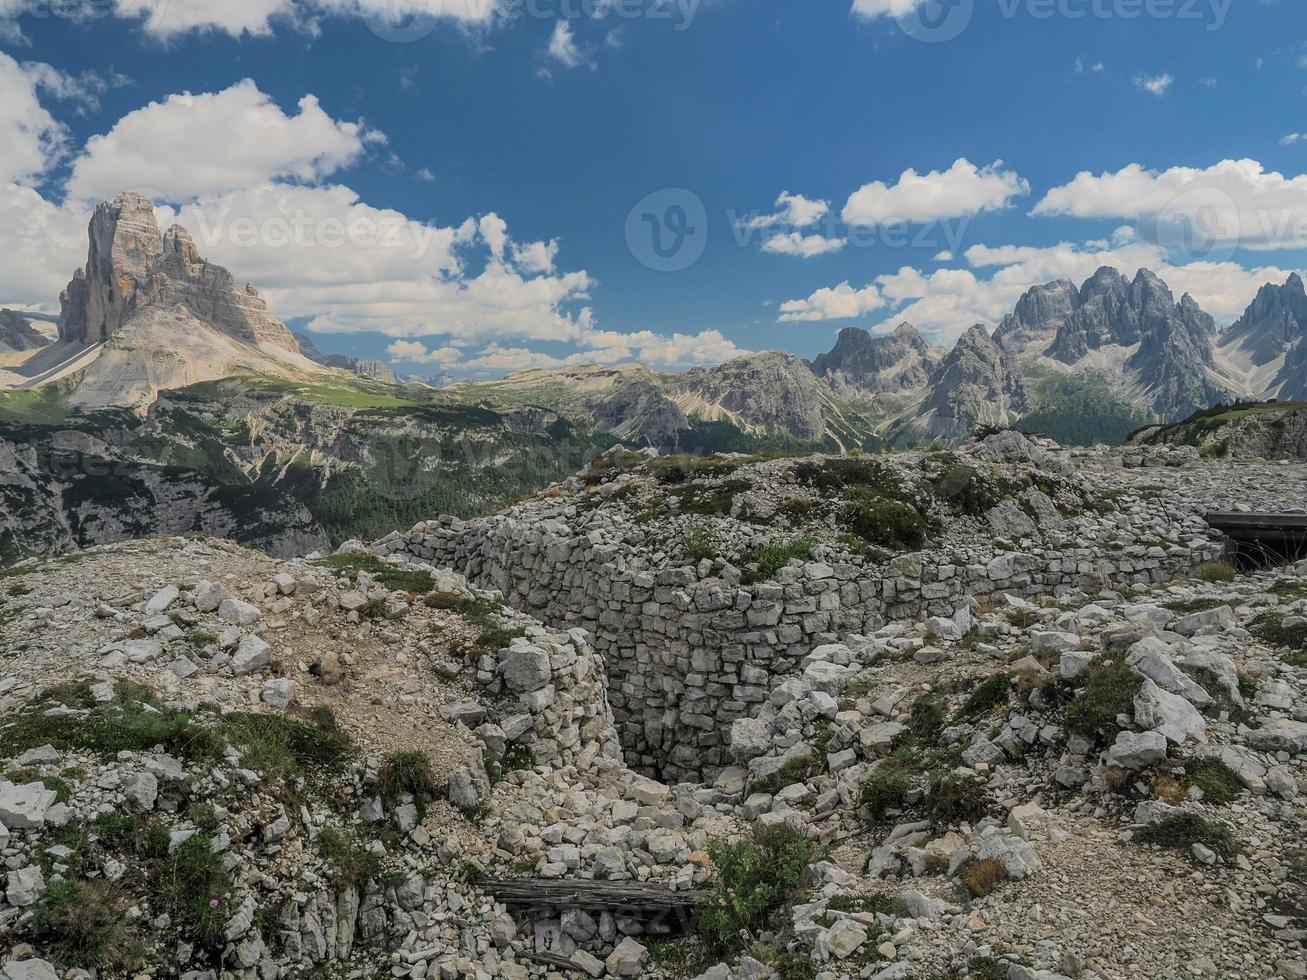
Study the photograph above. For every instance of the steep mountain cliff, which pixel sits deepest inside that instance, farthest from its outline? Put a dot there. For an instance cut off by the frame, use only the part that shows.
(978, 383)
(770, 391)
(1039, 315)
(1268, 344)
(1156, 354)
(862, 365)
(18, 334)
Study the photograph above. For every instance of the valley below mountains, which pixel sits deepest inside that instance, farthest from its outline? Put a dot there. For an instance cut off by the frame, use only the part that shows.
(172, 400)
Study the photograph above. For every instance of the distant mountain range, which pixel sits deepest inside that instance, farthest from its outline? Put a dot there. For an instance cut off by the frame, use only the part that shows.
(174, 376)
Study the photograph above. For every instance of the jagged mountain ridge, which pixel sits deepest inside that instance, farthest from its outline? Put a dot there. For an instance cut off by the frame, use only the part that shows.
(1270, 340)
(364, 368)
(17, 333)
(1160, 353)
(148, 314)
(863, 365)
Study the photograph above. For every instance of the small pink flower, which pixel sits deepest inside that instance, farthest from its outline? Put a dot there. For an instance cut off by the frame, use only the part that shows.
(213, 903)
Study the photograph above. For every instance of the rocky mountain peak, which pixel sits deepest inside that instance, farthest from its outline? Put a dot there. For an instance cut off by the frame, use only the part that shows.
(771, 390)
(124, 243)
(1274, 327)
(977, 381)
(1106, 281)
(17, 333)
(132, 265)
(1039, 314)
(861, 363)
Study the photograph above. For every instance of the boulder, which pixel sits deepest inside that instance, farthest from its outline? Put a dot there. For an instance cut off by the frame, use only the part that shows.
(23, 807)
(252, 654)
(238, 613)
(1169, 714)
(1137, 750)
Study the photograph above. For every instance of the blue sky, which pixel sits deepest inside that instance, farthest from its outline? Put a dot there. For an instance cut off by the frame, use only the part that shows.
(499, 149)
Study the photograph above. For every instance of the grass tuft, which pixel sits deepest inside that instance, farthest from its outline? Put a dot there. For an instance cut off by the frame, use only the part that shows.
(351, 863)
(953, 799)
(408, 772)
(981, 878)
(1182, 830)
(991, 693)
(885, 789)
(1217, 571)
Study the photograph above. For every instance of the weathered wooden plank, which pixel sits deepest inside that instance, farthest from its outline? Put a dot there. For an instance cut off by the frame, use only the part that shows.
(592, 896)
(1276, 522)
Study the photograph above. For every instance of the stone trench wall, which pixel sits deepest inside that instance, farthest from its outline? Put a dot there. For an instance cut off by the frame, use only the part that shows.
(685, 658)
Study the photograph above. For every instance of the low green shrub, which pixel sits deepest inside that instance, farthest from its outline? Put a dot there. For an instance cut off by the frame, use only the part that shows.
(763, 564)
(195, 887)
(395, 579)
(884, 522)
(1270, 629)
(989, 694)
(84, 924)
(926, 720)
(1219, 783)
(351, 863)
(278, 745)
(754, 880)
(796, 769)
(699, 545)
(953, 799)
(1109, 690)
(884, 790)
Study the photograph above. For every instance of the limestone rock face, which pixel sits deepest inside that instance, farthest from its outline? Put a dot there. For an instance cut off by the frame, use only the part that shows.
(772, 390)
(1039, 315)
(862, 364)
(125, 241)
(977, 382)
(17, 333)
(131, 266)
(376, 370)
(1273, 327)
(640, 410)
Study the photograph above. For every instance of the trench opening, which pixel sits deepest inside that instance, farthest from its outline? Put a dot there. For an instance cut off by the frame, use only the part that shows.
(1260, 541)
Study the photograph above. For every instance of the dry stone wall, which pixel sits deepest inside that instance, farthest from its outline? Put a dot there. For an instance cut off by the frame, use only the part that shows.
(688, 654)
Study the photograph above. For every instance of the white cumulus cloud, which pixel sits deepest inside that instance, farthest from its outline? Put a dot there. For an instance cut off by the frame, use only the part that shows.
(1157, 85)
(871, 9)
(803, 246)
(31, 139)
(840, 302)
(961, 191)
(794, 210)
(1235, 201)
(165, 20)
(191, 145)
